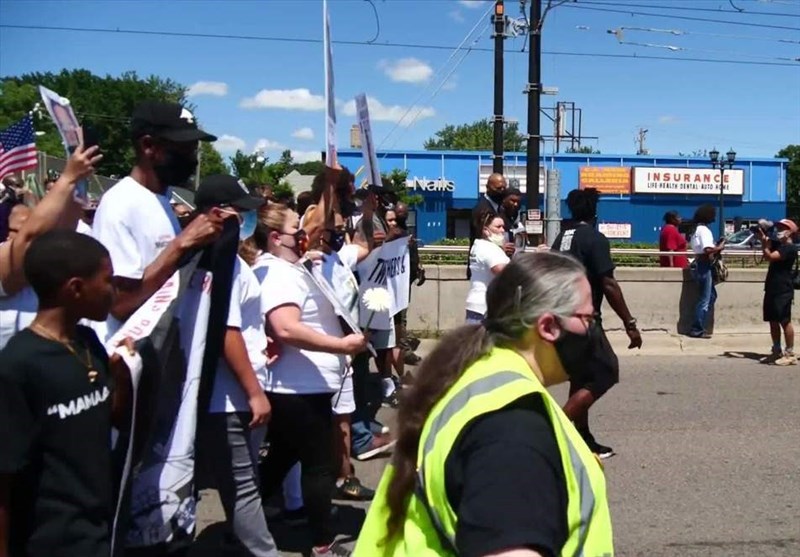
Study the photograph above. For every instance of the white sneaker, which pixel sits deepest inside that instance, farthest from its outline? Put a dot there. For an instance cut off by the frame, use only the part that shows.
(788, 359)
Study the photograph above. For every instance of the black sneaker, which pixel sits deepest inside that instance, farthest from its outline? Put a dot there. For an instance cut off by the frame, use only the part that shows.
(353, 490)
(601, 451)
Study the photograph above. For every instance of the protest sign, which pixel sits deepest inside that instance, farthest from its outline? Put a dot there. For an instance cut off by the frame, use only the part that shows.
(385, 267)
(60, 110)
(373, 172)
(330, 99)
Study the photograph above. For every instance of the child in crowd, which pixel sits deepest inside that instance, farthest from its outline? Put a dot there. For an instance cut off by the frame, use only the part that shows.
(59, 395)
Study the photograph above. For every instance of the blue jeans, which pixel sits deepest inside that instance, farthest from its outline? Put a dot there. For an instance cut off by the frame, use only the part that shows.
(708, 296)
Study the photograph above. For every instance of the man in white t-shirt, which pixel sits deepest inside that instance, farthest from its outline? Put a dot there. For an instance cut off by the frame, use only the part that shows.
(706, 251)
(134, 220)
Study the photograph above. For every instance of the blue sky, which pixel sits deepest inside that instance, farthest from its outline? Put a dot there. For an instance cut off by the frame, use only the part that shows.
(269, 93)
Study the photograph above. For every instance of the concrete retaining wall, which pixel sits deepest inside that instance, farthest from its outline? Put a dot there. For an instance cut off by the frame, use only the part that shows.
(661, 299)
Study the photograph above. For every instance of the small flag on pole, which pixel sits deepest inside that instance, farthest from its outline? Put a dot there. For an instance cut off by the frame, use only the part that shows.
(17, 147)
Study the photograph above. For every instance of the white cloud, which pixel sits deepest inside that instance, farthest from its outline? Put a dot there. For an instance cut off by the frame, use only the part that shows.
(456, 16)
(407, 70)
(472, 3)
(306, 156)
(268, 145)
(668, 119)
(287, 99)
(378, 112)
(229, 143)
(303, 133)
(213, 88)
(451, 83)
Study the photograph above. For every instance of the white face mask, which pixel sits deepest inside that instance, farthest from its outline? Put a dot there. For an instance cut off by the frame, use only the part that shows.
(497, 239)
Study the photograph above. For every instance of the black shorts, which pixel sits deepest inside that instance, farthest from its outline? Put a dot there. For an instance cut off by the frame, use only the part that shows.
(778, 307)
(601, 371)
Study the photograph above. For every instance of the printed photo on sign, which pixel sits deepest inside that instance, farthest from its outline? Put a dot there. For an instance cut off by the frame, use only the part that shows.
(60, 110)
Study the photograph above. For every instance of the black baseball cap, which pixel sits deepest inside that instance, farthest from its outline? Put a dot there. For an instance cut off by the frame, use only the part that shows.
(166, 120)
(223, 189)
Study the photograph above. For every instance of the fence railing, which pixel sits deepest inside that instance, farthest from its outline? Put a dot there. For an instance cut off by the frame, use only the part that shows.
(629, 257)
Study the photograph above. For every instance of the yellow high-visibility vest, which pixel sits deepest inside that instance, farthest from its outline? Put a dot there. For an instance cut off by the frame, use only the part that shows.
(491, 383)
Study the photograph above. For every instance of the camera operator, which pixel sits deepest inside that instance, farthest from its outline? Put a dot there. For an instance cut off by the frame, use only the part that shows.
(779, 290)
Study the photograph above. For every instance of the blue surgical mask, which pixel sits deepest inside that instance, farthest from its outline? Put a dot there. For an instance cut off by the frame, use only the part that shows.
(247, 227)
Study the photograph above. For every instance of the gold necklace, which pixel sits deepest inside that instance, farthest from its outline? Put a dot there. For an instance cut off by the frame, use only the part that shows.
(92, 374)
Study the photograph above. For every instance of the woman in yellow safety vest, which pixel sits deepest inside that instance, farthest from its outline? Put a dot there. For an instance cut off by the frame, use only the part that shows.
(486, 463)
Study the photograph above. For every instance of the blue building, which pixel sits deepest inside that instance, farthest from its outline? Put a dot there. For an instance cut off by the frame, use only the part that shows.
(635, 190)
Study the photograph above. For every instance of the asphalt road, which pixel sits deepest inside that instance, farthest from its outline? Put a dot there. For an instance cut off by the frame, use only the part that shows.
(708, 461)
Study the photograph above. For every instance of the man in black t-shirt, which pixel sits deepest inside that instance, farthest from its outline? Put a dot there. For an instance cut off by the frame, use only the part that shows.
(591, 248)
(779, 291)
(57, 404)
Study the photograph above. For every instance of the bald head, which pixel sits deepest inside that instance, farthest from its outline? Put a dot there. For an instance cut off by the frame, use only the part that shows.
(16, 218)
(496, 185)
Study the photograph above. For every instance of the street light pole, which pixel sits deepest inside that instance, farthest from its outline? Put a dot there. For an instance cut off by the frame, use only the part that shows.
(716, 162)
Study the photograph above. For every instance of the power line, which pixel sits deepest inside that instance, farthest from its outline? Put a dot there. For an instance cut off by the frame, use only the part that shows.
(583, 6)
(383, 44)
(681, 32)
(690, 9)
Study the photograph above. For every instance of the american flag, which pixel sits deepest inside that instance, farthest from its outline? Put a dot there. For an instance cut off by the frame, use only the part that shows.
(17, 147)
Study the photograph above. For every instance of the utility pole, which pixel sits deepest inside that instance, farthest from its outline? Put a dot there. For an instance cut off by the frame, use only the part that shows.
(499, 20)
(640, 137)
(534, 91)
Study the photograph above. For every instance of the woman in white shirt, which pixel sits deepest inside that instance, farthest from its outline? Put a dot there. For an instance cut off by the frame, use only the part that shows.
(311, 350)
(706, 251)
(486, 259)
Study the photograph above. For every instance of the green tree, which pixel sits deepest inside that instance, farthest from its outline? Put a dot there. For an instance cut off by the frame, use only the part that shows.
(310, 168)
(395, 181)
(251, 169)
(792, 152)
(282, 190)
(104, 101)
(477, 136)
(211, 161)
(584, 149)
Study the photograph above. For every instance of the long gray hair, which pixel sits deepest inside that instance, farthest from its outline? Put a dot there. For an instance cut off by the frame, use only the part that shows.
(530, 286)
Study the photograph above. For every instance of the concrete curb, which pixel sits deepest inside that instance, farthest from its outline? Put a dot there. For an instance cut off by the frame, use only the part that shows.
(661, 343)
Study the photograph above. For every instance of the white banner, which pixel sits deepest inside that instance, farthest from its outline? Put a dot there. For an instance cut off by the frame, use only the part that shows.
(330, 99)
(163, 502)
(373, 172)
(385, 267)
(693, 181)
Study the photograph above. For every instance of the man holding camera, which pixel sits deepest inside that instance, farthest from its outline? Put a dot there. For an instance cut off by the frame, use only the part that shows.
(779, 290)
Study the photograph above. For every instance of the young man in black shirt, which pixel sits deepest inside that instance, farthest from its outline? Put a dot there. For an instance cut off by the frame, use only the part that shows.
(57, 402)
(591, 248)
(779, 291)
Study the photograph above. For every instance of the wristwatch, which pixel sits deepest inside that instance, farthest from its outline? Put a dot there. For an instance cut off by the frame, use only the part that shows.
(631, 324)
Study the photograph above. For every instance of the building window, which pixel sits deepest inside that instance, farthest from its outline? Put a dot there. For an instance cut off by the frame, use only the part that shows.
(458, 223)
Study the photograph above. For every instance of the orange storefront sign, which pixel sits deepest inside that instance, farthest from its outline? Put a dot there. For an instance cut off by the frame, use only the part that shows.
(607, 179)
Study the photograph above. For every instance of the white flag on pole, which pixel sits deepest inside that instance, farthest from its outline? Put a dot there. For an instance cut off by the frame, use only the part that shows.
(373, 172)
(330, 99)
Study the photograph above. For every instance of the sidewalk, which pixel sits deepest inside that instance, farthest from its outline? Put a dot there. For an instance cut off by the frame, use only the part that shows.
(661, 343)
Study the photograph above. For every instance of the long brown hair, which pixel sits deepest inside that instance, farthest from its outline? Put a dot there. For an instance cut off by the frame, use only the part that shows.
(531, 285)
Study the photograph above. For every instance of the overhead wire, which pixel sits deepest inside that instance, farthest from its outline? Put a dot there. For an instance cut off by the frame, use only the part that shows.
(685, 8)
(681, 32)
(381, 44)
(586, 6)
(433, 79)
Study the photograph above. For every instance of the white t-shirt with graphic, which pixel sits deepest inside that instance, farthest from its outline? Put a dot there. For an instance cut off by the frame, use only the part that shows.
(482, 257)
(135, 225)
(246, 313)
(300, 371)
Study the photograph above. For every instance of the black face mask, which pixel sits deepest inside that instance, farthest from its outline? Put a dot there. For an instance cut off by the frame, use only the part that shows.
(496, 196)
(574, 350)
(336, 240)
(401, 223)
(176, 169)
